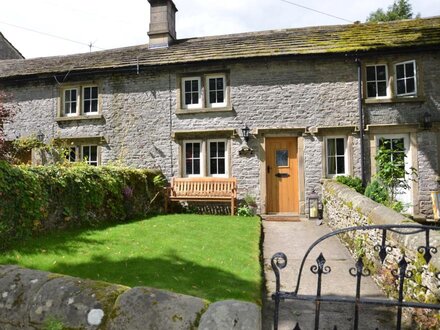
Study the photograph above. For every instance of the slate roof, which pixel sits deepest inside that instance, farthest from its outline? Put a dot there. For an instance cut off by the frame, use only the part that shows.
(417, 33)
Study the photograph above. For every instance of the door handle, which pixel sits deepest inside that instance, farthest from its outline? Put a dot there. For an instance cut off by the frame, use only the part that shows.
(282, 175)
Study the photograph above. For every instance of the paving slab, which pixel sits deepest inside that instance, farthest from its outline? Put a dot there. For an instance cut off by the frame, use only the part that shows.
(294, 239)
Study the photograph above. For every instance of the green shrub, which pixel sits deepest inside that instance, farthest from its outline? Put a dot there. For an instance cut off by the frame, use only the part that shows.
(352, 182)
(43, 198)
(377, 192)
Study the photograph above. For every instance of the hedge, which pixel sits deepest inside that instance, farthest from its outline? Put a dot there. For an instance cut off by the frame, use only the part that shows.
(44, 198)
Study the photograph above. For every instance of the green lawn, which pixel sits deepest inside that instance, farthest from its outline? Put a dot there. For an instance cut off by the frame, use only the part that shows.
(212, 257)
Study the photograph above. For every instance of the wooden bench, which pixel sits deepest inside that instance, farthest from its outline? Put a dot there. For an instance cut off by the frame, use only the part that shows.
(203, 189)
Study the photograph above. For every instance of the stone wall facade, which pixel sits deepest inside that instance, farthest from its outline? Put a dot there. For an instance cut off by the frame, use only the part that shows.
(344, 207)
(141, 125)
(32, 299)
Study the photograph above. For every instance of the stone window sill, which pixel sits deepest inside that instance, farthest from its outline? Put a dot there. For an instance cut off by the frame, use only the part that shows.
(396, 100)
(202, 110)
(75, 118)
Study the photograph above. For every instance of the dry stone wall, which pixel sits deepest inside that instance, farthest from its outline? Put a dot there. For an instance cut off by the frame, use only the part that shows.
(31, 299)
(344, 207)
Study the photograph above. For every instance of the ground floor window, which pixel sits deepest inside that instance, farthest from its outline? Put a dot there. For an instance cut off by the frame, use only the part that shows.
(86, 153)
(205, 158)
(336, 156)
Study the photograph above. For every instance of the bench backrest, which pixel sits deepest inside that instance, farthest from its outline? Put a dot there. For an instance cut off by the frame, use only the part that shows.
(220, 187)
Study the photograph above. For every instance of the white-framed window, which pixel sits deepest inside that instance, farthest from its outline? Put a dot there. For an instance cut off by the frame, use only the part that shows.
(191, 92)
(406, 81)
(336, 156)
(215, 91)
(90, 100)
(72, 154)
(79, 100)
(218, 158)
(206, 157)
(377, 81)
(89, 154)
(70, 102)
(193, 158)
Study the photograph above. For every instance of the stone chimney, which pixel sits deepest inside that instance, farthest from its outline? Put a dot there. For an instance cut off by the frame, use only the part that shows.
(162, 23)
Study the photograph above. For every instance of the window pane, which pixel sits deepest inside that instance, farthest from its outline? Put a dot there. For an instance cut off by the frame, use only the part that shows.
(340, 165)
(188, 98)
(94, 106)
(409, 69)
(371, 89)
(195, 98)
(213, 166)
(331, 165)
(220, 83)
(87, 93)
(381, 72)
(400, 73)
(212, 97)
(188, 150)
(95, 92)
(187, 85)
(331, 149)
(382, 88)
(371, 73)
(196, 166)
(220, 97)
(221, 149)
(221, 166)
(211, 84)
(195, 85)
(93, 153)
(67, 95)
(196, 150)
(401, 87)
(189, 166)
(410, 85)
(86, 106)
(340, 146)
(213, 149)
(282, 158)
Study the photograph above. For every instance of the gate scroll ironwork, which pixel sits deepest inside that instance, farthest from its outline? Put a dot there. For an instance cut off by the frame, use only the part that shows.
(359, 271)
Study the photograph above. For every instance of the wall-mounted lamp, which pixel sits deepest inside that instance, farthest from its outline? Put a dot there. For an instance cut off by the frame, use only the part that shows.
(40, 136)
(245, 132)
(427, 121)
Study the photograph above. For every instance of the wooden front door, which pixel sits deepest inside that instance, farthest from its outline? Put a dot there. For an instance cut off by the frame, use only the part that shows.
(282, 175)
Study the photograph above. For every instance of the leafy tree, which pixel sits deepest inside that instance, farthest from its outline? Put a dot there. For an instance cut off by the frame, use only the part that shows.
(400, 9)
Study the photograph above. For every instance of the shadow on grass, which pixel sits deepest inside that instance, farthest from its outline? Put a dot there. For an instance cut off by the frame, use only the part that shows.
(170, 273)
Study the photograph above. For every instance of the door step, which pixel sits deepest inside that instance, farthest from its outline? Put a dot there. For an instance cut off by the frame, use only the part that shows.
(280, 217)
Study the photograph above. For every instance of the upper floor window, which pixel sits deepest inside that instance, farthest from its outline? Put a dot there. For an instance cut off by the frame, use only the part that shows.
(204, 91)
(406, 78)
(377, 81)
(336, 156)
(216, 90)
(71, 102)
(79, 100)
(90, 100)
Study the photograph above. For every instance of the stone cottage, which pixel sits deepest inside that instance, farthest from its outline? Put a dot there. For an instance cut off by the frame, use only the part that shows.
(309, 97)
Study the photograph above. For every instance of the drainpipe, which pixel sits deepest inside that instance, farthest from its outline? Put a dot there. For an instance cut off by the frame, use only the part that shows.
(361, 121)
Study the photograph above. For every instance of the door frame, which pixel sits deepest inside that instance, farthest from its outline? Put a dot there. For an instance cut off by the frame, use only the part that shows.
(263, 166)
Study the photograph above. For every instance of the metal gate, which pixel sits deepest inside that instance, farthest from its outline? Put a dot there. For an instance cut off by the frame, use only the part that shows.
(359, 271)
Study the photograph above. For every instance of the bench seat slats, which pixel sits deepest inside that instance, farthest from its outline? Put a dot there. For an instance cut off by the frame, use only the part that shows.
(204, 189)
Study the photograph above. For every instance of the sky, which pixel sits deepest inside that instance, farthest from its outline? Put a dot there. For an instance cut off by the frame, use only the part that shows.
(69, 27)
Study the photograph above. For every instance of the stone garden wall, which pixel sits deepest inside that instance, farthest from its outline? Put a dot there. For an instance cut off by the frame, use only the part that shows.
(344, 207)
(31, 299)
